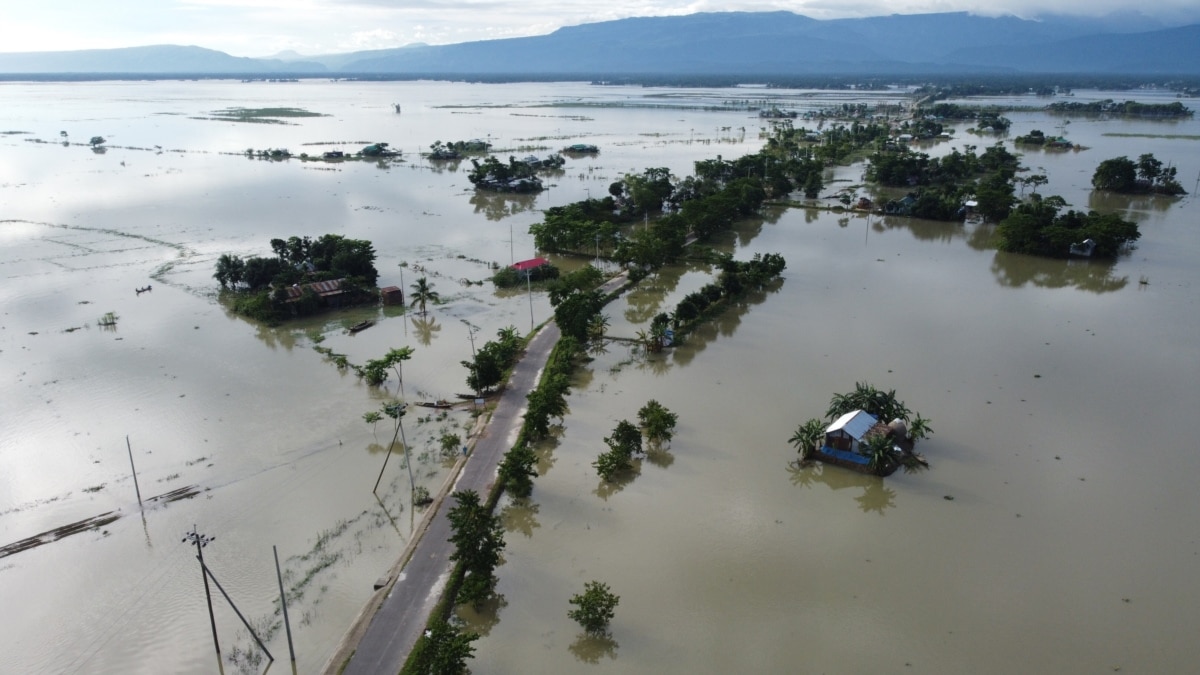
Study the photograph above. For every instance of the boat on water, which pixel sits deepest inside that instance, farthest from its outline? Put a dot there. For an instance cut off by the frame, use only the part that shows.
(361, 326)
(440, 403)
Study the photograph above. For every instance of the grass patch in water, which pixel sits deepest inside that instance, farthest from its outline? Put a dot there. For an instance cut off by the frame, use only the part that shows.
(1185, 137)
(259, 115)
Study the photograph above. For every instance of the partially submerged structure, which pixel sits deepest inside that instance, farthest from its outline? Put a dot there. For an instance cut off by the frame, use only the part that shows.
(858, 439)
(848, 443)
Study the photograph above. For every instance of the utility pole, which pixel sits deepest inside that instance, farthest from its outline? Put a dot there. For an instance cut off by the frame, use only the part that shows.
(529, 287)
(200, 541)
(134, 469)
(283, 603)
(396, 412)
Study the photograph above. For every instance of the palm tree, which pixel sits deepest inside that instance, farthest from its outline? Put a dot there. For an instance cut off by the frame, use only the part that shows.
(597, 326)
(423, 293)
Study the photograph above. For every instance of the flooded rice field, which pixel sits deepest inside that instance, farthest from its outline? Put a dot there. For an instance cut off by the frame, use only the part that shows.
(1055, 532)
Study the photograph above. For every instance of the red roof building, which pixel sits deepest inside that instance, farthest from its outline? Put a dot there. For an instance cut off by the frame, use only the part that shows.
(530, 264)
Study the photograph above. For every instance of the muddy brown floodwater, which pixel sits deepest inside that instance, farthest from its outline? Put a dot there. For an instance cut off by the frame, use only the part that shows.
(1056, 530)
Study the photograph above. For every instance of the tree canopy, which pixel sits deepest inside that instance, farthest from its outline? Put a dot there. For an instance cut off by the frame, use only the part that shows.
(1121, 174)
(1036, 227)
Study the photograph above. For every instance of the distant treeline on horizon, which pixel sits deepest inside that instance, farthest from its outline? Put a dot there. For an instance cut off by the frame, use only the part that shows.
(959, 84)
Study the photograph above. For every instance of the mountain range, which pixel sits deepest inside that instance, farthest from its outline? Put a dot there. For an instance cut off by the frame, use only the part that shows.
(724, 43)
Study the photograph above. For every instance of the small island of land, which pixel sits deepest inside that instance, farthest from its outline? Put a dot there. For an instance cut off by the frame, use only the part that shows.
(858, 439)
(304, 277)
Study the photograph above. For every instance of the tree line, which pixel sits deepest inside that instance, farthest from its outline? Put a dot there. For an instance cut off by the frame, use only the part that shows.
(261, 283)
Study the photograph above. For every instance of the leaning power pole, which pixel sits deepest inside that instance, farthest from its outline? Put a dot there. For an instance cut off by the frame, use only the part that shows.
(200, 541)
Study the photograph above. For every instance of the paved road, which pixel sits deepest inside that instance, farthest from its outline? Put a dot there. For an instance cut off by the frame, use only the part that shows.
(401, 618)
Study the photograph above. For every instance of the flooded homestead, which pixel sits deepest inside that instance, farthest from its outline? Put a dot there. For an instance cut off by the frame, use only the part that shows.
(1055, 530)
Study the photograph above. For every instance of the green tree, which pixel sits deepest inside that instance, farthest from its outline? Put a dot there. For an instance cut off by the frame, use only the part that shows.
(1118, 174)
(595, 607)
(230, 269)
(487, 369)
(450, 442)
(478, 539)
(575, 312)
(517, 470)
(442, 650)
(658, 423)
(609, 464)
(625, 440)
(372, 418)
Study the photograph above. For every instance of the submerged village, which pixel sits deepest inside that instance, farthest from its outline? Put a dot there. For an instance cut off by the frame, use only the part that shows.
(866, 430)
(624, 288)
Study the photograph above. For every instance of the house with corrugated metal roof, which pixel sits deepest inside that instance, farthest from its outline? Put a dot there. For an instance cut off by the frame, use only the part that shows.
(848, 431)
(328, 292)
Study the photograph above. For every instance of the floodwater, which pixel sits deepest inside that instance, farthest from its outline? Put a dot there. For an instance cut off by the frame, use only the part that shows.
(1056, 530)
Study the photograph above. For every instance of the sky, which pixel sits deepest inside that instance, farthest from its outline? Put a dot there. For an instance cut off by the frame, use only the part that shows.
(312, 27)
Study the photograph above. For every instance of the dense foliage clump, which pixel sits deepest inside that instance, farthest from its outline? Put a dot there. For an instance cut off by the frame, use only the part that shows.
(1037, 228)
(261, 283)
(1146, 175)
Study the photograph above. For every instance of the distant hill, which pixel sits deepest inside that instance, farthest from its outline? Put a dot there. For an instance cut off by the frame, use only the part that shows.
(154, 59)
(726, 43)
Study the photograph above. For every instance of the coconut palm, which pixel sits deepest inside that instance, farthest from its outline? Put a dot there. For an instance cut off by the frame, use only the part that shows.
(423, 293)
(597, 326)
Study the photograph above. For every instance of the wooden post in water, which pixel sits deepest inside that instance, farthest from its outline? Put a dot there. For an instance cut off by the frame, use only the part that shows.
(134, 468)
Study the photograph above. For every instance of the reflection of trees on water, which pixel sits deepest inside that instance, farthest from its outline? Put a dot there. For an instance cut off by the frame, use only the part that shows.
(748, 229)
(487, 616)
(658, 364)
(1127, 205)
(500, 205)
(982, 238)
(1014, 270)
(608, 488)
(660, 457)
(590, 648)
(426, 328)
(520, 515)
(274, 337)
(875, 496)
(645, 301)
(544, 451)
(444, 165)
(723, 325)
(921, 229)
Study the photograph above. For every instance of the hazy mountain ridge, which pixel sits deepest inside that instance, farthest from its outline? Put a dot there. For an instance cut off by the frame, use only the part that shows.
(726, 43)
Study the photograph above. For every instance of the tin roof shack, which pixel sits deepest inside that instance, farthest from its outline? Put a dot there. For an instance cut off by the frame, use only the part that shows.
(392, 295)
(524, 272)
(846, 443)
(306, 298)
